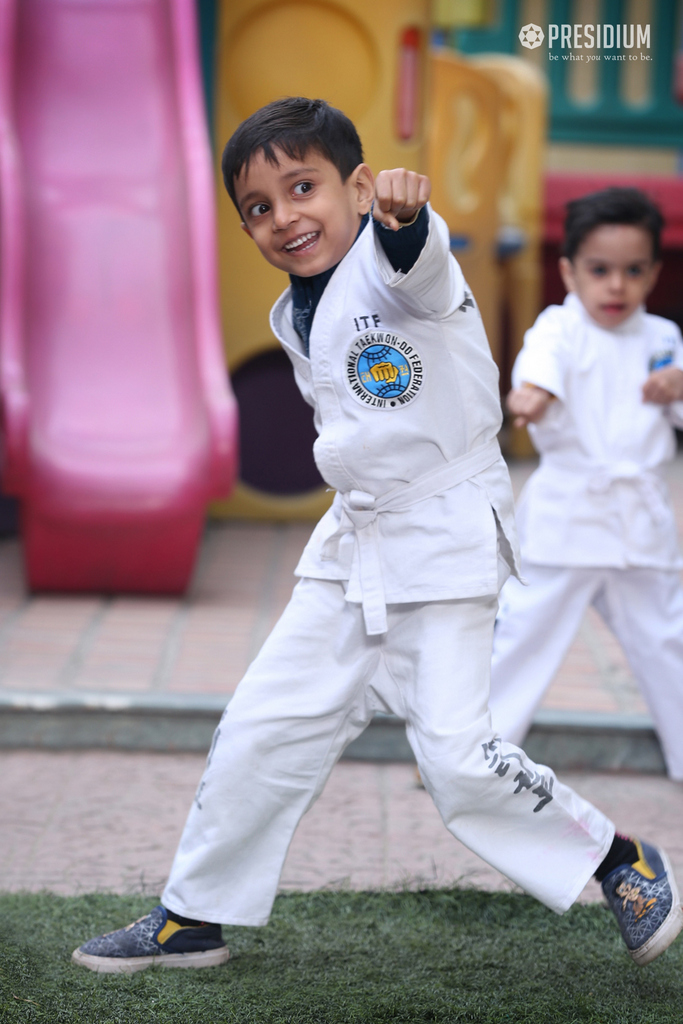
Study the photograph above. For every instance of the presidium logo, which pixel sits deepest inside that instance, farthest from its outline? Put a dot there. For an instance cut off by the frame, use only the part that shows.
(589, 37)
(531, 36)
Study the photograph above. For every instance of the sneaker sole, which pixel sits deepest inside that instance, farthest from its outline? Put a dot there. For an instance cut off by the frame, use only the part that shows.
(131, 964)
(668, 930)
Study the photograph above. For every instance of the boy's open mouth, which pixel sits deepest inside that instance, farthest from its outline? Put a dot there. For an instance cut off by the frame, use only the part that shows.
(301, 244)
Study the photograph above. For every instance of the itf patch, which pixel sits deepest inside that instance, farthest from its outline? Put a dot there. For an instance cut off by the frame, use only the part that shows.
(383, 370)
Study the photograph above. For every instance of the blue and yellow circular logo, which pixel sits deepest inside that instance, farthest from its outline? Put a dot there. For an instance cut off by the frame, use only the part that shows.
(383, 370)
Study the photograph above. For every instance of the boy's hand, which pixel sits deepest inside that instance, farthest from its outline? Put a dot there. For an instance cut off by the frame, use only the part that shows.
(528, 404)
(664, 386)
(399, 196)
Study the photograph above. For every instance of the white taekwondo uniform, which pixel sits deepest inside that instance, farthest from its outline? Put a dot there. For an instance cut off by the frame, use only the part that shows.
(396, 606)
(596, 524)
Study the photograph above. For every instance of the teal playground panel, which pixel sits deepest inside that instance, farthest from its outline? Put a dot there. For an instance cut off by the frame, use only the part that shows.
(609, 119)
(207, 18)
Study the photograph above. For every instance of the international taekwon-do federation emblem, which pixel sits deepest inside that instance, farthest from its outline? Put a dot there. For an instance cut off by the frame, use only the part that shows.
(383, 370)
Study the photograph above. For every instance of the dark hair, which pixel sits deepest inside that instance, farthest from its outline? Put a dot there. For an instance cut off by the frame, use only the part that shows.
(611, 206)
(295, 125)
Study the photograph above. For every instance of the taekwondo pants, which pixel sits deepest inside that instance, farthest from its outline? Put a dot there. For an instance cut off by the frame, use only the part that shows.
(536, 625)
(312, 689)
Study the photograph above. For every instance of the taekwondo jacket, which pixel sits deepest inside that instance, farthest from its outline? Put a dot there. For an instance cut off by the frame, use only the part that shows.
(598, 497)
(402, 383)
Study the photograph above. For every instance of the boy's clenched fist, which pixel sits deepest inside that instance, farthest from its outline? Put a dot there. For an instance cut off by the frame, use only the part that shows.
(399, 196)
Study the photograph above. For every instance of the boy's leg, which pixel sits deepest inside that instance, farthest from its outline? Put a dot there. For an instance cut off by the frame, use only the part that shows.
(644, 609)
(535, 627)
(513, 813)
(300, 703)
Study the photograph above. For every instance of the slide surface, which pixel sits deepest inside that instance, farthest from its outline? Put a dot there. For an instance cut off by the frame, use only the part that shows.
(119, 424)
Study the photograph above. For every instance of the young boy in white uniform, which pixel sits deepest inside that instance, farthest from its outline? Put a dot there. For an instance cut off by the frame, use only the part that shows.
(398, 595)
(600, 383)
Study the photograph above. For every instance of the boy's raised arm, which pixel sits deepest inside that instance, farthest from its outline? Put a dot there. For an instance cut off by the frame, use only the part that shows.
(434, 283)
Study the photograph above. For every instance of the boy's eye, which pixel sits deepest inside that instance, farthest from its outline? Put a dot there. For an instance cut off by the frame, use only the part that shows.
(597, 270)
(258, 209)
(635, 271)
(302, 187)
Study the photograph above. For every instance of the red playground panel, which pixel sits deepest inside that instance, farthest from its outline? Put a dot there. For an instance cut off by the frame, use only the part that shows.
(118, 420)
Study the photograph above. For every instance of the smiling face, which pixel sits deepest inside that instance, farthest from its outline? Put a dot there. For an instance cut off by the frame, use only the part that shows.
(302, 216)
(612, 272)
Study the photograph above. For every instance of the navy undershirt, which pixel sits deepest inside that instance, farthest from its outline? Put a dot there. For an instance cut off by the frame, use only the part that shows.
(402, 249)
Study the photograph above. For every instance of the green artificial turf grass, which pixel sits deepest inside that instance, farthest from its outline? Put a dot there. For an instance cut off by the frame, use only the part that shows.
(346, 958)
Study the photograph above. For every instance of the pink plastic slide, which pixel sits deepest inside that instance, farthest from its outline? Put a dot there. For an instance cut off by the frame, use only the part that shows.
(118, 421)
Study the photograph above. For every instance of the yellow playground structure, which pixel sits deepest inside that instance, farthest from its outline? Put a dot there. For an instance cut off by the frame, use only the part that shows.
(475, 125)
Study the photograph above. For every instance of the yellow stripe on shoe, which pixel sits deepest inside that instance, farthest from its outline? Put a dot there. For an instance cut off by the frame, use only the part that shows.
(641, 865)
(171, 927)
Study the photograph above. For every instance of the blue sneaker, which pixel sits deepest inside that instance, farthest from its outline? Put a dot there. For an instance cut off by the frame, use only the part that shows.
(153, 940)
(644, 899)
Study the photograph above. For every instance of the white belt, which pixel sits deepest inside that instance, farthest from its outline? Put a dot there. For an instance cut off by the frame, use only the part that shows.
(648, 483)
(360, 511)
(599, 479)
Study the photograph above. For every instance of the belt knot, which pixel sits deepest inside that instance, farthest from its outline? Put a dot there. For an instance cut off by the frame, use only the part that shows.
(360, 511)
(360, 508)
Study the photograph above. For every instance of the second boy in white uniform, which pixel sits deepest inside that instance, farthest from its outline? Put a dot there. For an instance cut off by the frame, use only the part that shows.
(600, 382)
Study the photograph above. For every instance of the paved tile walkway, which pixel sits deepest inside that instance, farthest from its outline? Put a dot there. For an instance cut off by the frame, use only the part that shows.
(109, 821)
(199, 644)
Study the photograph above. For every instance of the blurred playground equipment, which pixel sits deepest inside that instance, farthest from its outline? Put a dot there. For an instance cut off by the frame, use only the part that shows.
(465, 152)
(520, 232)
(476, 127)
(607, 102)
(617, 121)
(500, 102)
(118, 420)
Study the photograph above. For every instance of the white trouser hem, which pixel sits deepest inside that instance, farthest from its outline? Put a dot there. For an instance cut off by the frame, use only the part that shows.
(563, 905)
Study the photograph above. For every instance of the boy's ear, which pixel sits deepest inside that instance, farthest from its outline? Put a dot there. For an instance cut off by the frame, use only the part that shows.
(245, 228)
(566, 273)
(363, 184)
